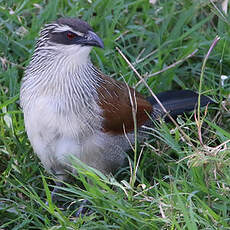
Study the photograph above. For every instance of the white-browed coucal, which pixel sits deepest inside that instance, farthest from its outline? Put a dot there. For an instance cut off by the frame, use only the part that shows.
(71, 108)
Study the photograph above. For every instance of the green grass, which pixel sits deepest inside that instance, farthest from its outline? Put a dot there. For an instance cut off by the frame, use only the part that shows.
(177, 186)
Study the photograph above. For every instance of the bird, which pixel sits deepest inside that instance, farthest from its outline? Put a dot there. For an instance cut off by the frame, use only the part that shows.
(72, 109)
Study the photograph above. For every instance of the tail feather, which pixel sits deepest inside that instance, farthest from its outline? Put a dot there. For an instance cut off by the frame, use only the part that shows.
(177, 102)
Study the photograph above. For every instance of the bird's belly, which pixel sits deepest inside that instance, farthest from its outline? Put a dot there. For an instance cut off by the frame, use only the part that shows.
(55, 137)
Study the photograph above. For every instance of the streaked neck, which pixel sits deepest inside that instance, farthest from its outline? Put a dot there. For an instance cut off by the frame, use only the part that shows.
(58, 77)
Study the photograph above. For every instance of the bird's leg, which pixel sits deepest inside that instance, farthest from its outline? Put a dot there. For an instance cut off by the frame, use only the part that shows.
(83, 209)
(55, 191)
(84, 206)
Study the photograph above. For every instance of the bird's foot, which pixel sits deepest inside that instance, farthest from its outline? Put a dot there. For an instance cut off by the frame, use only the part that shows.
(54, 192)
(84, 209)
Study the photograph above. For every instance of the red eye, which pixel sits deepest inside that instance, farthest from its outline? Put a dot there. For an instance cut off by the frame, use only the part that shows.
(70, 35)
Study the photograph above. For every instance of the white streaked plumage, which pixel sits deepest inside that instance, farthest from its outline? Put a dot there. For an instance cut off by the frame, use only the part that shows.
(62, 118)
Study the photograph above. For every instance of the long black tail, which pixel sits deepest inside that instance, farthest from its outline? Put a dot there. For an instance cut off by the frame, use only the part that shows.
(177, 102)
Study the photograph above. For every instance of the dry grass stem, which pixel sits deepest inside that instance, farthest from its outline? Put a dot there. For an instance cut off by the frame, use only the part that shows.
(167, 67)
(155, 97)
(199, 122)
(5, 61)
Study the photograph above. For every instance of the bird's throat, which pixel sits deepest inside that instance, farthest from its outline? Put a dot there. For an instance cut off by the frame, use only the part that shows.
(70, 86)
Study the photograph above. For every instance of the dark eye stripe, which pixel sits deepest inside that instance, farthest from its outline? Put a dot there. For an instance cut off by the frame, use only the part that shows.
(65, 38)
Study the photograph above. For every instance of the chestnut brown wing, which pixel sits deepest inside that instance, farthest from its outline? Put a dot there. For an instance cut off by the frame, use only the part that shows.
(115, 100)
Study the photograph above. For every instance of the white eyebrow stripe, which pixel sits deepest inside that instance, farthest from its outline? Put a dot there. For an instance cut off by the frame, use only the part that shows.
(78, 33)
(64, 28)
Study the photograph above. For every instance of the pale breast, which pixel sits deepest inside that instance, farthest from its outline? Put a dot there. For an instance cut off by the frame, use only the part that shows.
(54, 134)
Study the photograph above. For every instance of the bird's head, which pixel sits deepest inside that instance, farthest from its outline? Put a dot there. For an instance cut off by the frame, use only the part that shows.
(69, 37)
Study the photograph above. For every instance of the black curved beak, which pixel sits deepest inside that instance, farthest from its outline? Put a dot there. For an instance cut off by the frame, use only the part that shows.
(92, 39)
